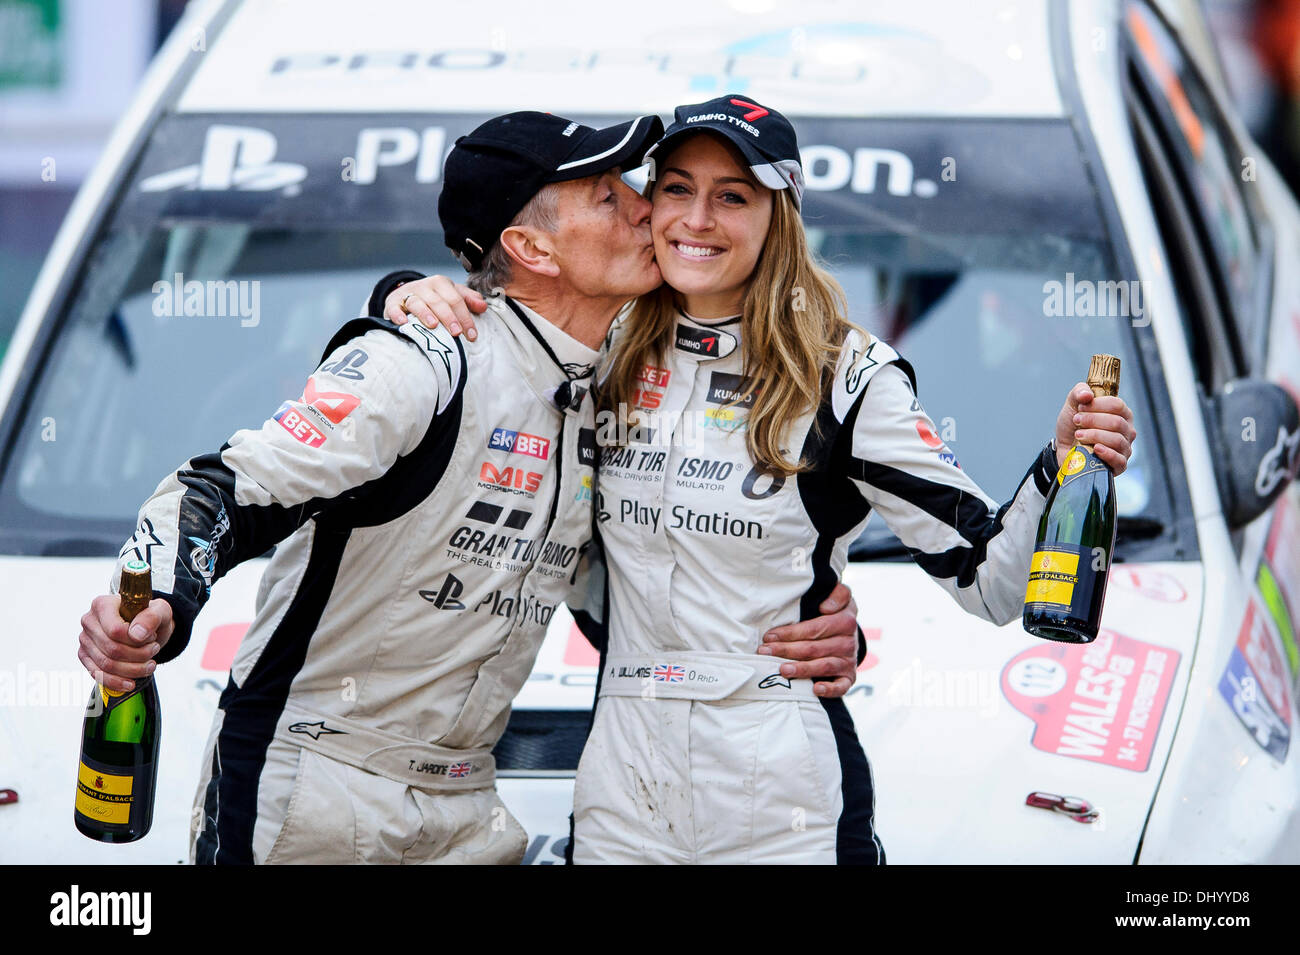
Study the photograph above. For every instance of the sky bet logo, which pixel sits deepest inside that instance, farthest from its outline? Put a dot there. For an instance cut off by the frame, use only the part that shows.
(520, 443)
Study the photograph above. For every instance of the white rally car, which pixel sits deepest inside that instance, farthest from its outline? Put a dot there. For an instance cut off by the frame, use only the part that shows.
(1003, 188)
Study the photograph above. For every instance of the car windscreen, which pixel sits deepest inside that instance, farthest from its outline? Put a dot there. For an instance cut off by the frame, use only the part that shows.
(977, 249)
(239, 245)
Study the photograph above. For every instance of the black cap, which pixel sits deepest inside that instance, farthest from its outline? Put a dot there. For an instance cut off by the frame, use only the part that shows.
(494, 171)
(764, 137)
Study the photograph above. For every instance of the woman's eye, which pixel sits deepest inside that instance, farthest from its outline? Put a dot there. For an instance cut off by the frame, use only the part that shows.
(733, 198)
(675, 189)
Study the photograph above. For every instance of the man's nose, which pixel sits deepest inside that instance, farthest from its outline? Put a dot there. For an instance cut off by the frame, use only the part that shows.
(638, 206)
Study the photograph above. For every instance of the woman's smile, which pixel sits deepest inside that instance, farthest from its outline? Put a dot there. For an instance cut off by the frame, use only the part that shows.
(695, 250)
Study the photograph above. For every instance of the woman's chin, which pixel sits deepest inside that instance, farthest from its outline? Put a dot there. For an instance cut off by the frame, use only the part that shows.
(685, 281)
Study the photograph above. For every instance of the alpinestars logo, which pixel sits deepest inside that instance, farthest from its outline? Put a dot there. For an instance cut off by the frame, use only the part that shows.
(316, 730)
(431, 343)
(141, 546)
(234, 157)
(445, 597)
(859, 365)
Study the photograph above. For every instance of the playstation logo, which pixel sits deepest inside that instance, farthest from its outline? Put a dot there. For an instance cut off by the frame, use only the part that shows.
(234, 157)
(445, 597)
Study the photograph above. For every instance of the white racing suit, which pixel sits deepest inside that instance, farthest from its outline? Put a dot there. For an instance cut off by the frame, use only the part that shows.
(700, 751)
(429, 501)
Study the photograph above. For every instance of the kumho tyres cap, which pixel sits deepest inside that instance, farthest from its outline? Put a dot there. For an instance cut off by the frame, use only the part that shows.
(763, 136)
(493, 172)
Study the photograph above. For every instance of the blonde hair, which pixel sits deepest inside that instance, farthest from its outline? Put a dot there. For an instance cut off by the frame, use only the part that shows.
(793, 324)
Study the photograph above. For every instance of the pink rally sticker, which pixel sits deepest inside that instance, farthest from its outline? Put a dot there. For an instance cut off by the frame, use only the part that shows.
(578, 652)
(1152, 584)
(1101, 701)
(222, 643)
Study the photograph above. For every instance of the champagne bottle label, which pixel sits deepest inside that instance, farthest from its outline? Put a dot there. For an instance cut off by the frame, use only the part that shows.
(1053, 575)
(103, 796)
(1077, 464)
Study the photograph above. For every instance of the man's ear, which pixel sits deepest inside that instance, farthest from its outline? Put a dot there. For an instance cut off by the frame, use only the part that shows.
(530, 248)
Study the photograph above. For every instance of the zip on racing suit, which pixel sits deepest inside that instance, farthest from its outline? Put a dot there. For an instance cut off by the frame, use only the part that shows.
(430, 502)
(700, 751)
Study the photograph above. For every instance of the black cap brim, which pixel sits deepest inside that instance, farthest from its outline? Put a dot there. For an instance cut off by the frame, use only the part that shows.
(622, 145)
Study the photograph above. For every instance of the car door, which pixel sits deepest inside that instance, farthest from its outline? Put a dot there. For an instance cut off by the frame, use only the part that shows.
(1221, 250)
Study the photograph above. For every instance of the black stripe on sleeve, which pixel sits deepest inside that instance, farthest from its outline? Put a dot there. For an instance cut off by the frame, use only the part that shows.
(941, 502)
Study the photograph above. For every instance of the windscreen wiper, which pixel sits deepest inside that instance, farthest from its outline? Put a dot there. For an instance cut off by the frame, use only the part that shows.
(1138, 528)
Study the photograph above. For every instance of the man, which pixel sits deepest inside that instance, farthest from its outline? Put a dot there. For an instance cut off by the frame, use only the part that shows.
(415, 485)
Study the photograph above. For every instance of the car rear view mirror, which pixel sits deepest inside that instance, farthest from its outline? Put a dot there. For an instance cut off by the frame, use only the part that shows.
(1256, 426)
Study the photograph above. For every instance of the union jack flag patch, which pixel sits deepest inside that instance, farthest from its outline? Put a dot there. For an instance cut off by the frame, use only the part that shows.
(459, 770)
(669, 674)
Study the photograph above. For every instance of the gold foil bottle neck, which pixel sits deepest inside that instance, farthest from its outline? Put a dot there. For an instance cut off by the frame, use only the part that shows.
(136, 589)
(1103, 375)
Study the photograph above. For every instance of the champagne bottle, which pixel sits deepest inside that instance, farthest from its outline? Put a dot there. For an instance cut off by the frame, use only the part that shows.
(1076, 537)
(119, 742)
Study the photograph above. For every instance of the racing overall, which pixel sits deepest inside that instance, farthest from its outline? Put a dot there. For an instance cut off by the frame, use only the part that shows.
(700, 751)
(429, 503)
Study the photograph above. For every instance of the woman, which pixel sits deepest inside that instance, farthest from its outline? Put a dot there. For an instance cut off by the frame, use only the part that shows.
(749, 430)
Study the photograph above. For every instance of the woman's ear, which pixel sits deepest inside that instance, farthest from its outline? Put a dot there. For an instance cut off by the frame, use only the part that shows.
(531, 249)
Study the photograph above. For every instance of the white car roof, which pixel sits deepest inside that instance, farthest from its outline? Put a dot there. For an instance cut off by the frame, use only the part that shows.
(815, 57)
